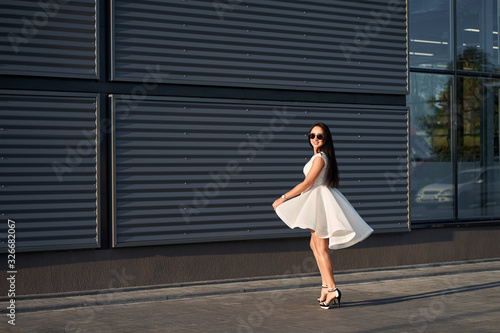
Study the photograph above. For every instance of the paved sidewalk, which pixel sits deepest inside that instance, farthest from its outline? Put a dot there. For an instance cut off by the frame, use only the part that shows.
(454, 297)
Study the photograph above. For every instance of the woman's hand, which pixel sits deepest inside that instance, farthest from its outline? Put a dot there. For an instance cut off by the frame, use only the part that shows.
(278, 202)
(317, 165)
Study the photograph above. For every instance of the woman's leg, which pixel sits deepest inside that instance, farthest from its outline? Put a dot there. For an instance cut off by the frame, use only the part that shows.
(323, 259)
(314, 249)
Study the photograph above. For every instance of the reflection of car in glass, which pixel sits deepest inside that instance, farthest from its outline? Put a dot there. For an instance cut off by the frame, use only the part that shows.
(475, 187)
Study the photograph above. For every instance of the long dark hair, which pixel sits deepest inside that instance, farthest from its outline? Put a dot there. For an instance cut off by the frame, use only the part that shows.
(332, 170)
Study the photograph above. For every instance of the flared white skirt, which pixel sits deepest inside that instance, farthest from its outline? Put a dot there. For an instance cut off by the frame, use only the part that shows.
(326, 211)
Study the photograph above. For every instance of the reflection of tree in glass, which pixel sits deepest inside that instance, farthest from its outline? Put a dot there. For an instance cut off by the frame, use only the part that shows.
(471, 93)
(472, 96)
(472, 59)
(437, 122)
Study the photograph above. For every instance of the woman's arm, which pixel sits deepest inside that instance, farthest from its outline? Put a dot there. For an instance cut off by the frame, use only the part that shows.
(311, 176)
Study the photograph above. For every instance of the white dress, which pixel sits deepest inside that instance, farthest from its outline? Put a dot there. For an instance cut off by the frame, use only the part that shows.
(326, 211)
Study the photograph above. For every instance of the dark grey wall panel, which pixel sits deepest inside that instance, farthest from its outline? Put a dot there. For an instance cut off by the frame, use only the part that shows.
(205, 170)
(48, 38)
(353, 46)
(48, 169)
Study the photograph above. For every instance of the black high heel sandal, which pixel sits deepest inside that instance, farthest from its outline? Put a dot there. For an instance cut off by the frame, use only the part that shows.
(336, 299)
(323, 286)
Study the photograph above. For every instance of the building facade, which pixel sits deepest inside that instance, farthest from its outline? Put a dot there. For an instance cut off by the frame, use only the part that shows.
(143, 143)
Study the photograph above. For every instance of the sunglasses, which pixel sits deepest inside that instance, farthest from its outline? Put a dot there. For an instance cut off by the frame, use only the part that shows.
(314, 135)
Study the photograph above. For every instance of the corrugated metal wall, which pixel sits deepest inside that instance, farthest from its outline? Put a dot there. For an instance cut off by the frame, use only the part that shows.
(48, 38)
(194, 169)
(203, 170)
(48, 169)
(343, 45)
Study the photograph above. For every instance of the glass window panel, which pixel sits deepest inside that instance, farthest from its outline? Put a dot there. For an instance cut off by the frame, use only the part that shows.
(431, 183)
(478, 156)
(429, 33)
(477, 35)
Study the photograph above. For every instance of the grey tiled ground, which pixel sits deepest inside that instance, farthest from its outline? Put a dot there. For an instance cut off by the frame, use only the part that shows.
(441, 298)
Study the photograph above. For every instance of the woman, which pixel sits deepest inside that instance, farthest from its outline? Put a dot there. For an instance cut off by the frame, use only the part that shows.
(319, 206)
